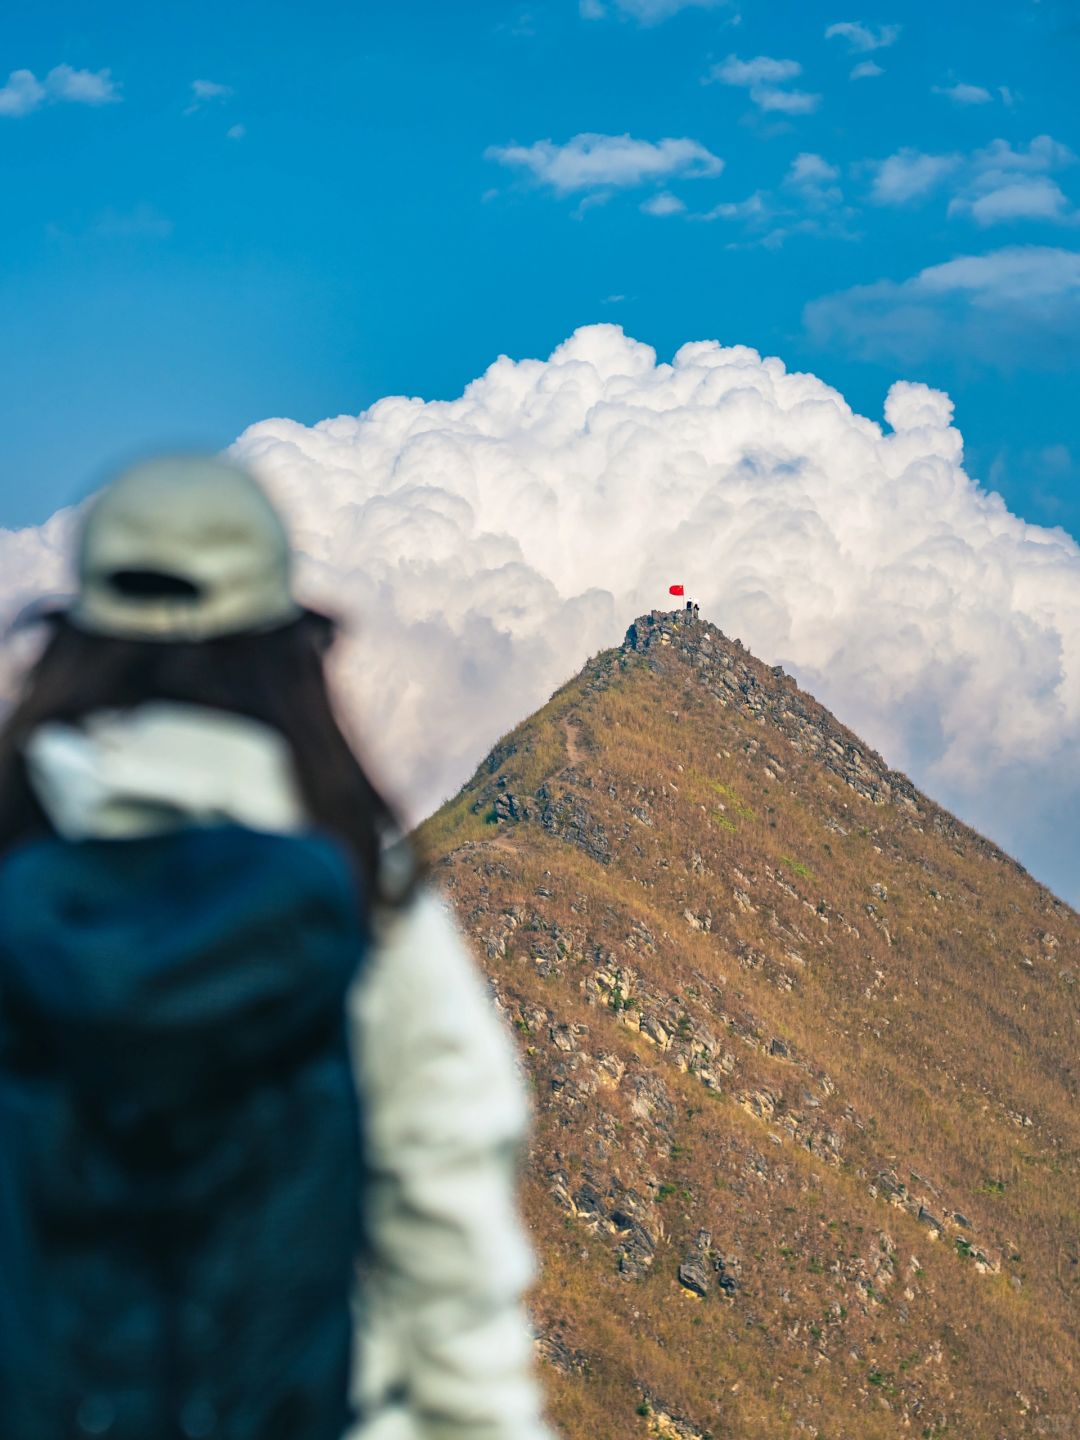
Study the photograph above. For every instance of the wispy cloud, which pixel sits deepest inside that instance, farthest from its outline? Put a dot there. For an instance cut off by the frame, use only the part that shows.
(996, 184)
(210, 90)
(814, 179)
(207, 92)
(81, 87)
(1031, 198)
(645, 12)
(763, 69)
(1041, 154)
(1008, 183)
(590, 162)
(961, 94)
(663, 204)
(866, 70)
(808, 201)
(910, 175)
(766, 80)
(863, 38)
(24, 93)
(1019, 305)
(755, 209)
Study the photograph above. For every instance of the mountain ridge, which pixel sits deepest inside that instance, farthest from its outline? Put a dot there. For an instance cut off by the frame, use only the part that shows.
(750, 964)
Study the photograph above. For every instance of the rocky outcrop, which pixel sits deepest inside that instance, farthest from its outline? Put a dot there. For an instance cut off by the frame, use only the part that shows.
(664, 1424)
(702, 1268)
(553, 1349)
(566, 815)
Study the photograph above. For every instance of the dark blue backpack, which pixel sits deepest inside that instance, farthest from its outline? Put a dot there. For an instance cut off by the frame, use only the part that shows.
(179, 1138)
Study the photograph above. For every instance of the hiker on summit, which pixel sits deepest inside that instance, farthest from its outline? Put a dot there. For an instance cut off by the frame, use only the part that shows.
(258, 1118)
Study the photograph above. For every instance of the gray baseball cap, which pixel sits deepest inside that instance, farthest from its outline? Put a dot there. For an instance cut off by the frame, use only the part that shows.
(184, 547)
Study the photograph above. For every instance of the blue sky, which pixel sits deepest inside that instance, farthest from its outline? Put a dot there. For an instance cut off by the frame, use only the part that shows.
(227, 212)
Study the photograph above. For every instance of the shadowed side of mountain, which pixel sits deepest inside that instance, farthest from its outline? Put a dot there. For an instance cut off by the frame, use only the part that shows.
(803, 1048)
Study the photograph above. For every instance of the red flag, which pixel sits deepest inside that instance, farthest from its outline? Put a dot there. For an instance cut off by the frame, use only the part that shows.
(676, 590)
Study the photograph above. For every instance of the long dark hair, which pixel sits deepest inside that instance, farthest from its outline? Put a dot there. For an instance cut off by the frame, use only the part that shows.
(276, 677)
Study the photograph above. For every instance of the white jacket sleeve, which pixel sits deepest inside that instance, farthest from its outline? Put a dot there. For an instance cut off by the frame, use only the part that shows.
(443, 1348)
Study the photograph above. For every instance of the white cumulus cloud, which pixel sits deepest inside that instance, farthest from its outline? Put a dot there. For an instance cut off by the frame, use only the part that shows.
(590, 161)
(23, 92)
(486, 545)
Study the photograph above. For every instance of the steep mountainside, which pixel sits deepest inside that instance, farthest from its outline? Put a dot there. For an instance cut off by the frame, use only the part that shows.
(804, 1052)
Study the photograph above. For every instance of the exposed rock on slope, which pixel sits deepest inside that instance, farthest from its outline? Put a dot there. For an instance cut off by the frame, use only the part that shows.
(803, 1047)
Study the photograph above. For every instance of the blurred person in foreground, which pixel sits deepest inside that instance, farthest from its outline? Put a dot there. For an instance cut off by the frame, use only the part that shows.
(259, 1121)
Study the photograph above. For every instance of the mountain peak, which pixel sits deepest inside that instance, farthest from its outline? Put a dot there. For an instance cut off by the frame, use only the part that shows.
(803, 1053)
(696, 658)
(733, 676)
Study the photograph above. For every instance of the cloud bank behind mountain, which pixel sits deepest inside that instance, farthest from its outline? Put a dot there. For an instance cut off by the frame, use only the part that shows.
(483, 547)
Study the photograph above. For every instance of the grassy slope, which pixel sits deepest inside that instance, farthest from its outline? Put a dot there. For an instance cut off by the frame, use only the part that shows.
(923, 987)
